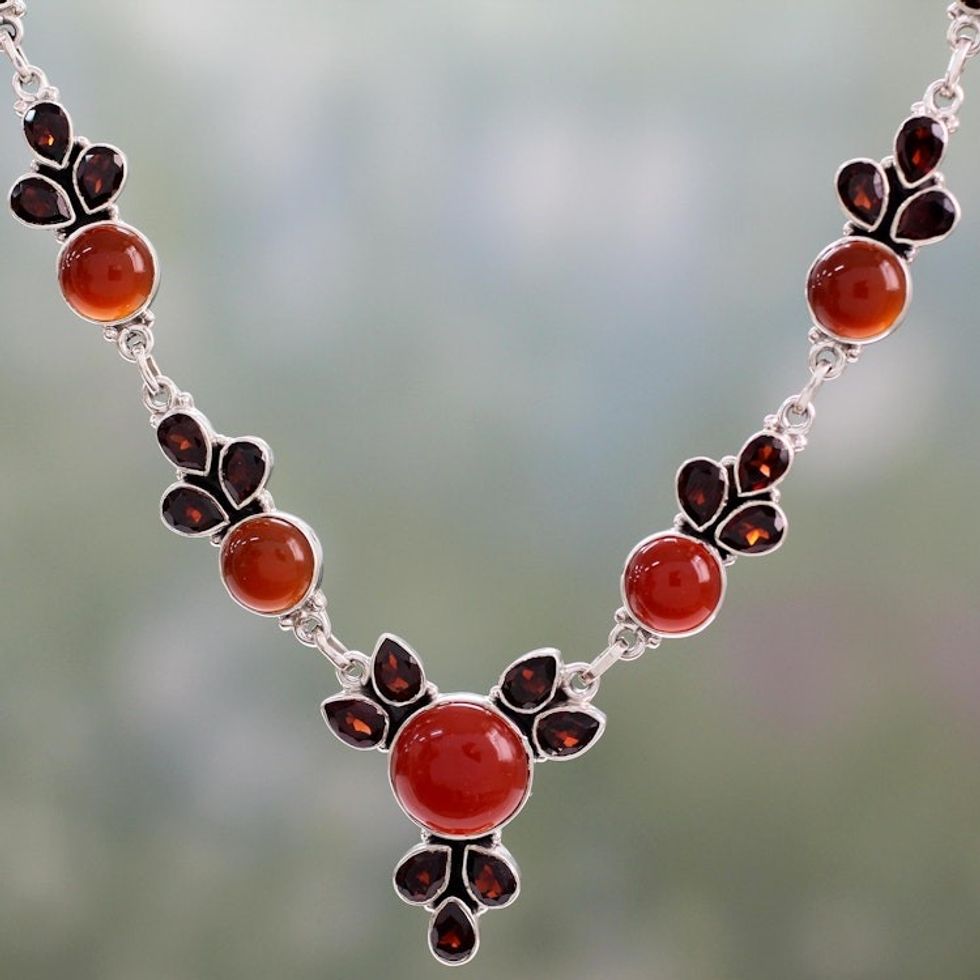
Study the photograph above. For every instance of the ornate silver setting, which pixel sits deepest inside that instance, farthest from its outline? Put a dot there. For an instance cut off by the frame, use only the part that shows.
(533, 693)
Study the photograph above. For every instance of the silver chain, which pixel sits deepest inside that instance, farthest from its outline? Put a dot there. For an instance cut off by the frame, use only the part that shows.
(627, 642)
(30, 82)
(945, 96)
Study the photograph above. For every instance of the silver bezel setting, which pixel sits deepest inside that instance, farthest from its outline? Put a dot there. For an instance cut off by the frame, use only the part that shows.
(572, 707)
(777, 437)
(712, 551)
(855, 341)
(315, 545)
(722, 470)
(903, 180)
(51, 161)
(183, 485)
(740, 510)
(483, 702)
(424, 848)
(54, 226)
(267, 458)
(114, 223)
(549, 653)
(209, 438)
(886, 200)
(938, 187)
(500, 853)
(78, 187)
(348, 696)
(424, 689)
(451, 900)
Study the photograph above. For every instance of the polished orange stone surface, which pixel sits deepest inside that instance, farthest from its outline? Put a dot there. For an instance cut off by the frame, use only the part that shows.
(857, 290)
(107, 272)
(460, 769)
(673, 584)
(268, 564)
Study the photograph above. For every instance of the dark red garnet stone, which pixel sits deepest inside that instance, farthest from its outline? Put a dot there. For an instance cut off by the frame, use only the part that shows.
(919, 147)
(453, 936)
(530, 683)
(421, 876)
(492, 879)
(355, 721)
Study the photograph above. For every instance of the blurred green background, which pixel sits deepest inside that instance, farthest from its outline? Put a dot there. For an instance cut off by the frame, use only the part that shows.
(484, 273)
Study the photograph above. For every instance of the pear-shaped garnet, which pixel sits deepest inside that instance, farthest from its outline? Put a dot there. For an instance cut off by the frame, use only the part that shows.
(565, 733)
(701, 489)
(919, 147)
(39, 201)
(491, 879)
(452, 934)
(397, 672)
(189, 510)
(863, 190)
(355, 721)
(754, 530)
(763, 462)
(184, 442)
(927, 217)
(99, 173)
(48, 131)
(422, 875)
(530, 682)
(243, 471)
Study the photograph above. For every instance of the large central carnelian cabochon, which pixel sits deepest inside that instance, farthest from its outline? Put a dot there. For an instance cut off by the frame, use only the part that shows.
(269, 564)
(107, 272)
(858, 289)
(460, 769)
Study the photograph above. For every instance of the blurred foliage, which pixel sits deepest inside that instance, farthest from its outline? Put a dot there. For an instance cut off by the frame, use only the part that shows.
(483, 273)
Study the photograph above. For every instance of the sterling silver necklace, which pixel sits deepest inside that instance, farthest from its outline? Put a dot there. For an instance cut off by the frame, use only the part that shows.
(461, 766)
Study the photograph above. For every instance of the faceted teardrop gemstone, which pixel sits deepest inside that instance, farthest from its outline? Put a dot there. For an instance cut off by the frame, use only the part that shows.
(673, 585)
(107, 272)
(763, 462)
(191, 511)
(397, 672)
(863, 190)
(531, 682)
(702, 487)
(269, 564)
(48, 130)
(99, 175)
(41, 202)
(491, 879)
(563, 732)
(460, 768)
(356, 721)
(919, 147)
(928, 217)
(184, 442)
(452, 935)
(422, 875)
(754, 529)
(858, 290)
(244, 466)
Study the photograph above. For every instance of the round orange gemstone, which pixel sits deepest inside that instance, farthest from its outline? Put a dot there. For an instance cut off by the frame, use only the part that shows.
(460, 769)
(858, 289)
(673, 584)
(269, 564)
(107, 272)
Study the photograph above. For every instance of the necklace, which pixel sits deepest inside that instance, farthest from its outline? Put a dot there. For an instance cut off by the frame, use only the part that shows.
(461, 766)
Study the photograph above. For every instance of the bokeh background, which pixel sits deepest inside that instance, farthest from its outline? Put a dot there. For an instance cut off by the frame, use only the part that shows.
(483, 273)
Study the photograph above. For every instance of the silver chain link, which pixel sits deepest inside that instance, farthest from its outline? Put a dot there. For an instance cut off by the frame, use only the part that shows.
(29, 81)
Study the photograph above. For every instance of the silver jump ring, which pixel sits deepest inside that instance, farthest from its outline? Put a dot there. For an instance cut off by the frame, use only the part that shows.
(579, 683)
(952, 94)
(134, 341)
(13, 27)
(356, 672)
(964, 29)
(830, 354)
(795, 420)
(162, 400)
